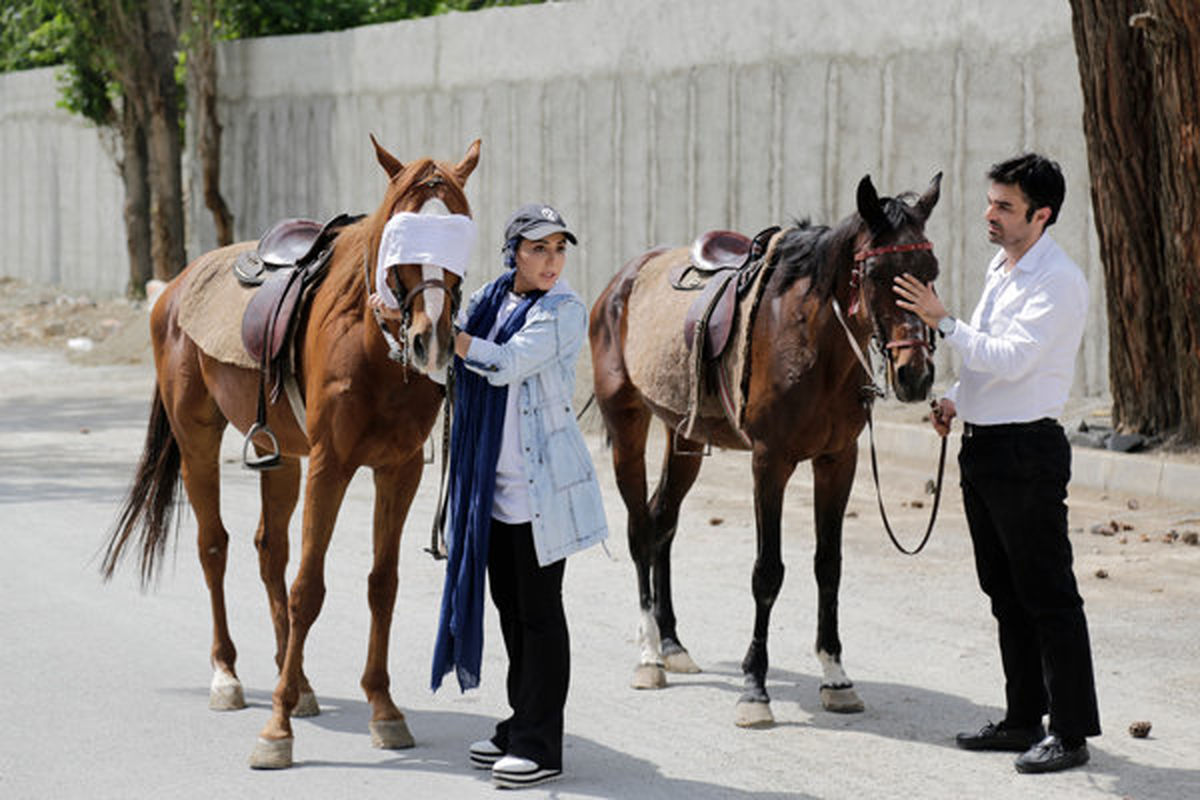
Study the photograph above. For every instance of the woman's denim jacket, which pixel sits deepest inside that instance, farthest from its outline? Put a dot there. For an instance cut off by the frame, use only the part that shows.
(539, 362)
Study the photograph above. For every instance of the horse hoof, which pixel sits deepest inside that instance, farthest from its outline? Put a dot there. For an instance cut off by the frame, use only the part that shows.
(680, 662)
(306, 705)
(649, 676)
(841, 700)
(271, 754)
(390, 734)
(228, 697)
(754, 715)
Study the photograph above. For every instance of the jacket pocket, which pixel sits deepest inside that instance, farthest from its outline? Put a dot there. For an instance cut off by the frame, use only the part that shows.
(567, 459)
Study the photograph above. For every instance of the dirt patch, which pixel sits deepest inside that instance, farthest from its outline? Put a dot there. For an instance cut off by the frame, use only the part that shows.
(90, 330)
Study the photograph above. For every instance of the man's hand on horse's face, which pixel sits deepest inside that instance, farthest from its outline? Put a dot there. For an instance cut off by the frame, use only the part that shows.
(919, 298)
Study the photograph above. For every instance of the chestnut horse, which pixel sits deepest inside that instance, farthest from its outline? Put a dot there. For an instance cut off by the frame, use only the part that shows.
(362, 408)
(824, 294)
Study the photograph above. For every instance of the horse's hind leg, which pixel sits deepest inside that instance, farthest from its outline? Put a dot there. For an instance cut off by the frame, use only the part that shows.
(833, 476)
(395, 488)
(681, 465)
(279, 490)
(199, 445)
(628, 422)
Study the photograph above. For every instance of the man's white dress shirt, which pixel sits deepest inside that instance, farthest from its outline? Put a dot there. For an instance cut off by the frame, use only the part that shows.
(1018, 350)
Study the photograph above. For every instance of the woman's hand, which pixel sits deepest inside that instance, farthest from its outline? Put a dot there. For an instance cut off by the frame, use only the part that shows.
(375, 301)
(462, 343)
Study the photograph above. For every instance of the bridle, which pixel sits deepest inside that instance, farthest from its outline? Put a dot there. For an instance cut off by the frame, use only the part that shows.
(398, 349)
(873, 390)
(859, 272)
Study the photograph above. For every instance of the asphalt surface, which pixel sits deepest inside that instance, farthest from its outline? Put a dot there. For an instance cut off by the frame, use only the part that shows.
(106, 686)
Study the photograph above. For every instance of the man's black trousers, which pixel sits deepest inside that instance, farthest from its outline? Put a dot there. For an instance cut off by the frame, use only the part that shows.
(1014, 484)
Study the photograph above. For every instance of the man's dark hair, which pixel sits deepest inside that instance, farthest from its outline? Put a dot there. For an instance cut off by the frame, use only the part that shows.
(1040, 179)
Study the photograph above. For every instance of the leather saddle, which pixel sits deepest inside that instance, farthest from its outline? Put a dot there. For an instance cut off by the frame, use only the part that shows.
(291, 257)
(722, 267)
(290, 260)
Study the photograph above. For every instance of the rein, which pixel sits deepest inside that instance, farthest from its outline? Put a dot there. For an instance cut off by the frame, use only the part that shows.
(874, 390)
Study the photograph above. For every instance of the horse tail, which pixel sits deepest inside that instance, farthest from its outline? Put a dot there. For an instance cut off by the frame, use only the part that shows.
(149, 508)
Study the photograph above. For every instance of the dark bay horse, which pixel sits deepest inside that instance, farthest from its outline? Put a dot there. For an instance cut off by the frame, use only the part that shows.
(824, 293)
(361, 408)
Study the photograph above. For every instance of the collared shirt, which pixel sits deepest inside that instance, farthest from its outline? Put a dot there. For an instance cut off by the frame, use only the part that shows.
(1018, 350)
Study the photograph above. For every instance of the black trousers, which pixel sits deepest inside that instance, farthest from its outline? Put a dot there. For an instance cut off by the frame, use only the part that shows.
(1014, 484)
(529, 599)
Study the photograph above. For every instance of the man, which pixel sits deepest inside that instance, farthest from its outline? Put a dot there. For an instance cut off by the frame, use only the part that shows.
(1018, 359)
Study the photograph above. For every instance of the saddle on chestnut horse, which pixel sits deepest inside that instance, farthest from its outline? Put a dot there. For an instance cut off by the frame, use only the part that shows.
(289, 262)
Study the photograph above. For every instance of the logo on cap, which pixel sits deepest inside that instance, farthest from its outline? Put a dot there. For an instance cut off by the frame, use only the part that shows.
(548, 213)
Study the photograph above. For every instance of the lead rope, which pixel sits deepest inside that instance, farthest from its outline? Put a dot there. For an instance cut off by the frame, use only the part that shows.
(437, 536)
(870, 392)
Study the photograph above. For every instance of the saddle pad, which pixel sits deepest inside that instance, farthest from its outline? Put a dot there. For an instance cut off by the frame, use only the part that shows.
(211, 304)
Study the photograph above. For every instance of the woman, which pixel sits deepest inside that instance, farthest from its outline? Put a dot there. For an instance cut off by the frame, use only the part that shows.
(523, 493)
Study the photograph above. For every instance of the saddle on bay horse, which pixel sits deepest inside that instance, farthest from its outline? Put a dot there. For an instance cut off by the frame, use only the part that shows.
(289, 262)
(723, 265)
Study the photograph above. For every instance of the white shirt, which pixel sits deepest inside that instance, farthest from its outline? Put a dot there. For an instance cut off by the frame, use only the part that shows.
(511, 500)
(1018, 350)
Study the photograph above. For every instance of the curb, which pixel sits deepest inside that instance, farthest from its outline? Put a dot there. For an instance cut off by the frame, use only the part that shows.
(1139, 474)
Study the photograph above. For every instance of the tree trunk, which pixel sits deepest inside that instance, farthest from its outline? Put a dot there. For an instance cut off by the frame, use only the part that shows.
(163, 143)
(137, 200)
(1172, 34)
(202, 79)
(1126, 175)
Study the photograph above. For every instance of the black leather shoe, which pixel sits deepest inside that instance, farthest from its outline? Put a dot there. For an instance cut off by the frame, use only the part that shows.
(1051, 755)
(1000, 736)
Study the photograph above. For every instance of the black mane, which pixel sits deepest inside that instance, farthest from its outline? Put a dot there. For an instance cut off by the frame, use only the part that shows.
(809, 251)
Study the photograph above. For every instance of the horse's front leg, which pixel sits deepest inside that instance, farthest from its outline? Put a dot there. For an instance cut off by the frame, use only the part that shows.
(279, 490)
(326, 486)
(395, 488)
(770, 479)
(833, 475)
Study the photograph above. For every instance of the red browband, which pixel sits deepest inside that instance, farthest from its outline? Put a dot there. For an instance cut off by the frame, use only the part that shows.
(863, 255)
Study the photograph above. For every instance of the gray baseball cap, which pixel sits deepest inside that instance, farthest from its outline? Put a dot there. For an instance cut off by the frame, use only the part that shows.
(536, 221)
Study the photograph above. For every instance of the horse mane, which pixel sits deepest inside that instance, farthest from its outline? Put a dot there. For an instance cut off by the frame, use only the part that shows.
(813, 251)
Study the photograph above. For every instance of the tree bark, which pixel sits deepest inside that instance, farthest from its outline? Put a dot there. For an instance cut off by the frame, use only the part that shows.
(202, 80)
(164, 142)
(1171, 29)
(137, 201)
(1129, 161)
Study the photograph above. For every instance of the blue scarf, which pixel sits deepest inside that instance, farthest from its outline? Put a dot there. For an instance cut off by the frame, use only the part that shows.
(474, 449)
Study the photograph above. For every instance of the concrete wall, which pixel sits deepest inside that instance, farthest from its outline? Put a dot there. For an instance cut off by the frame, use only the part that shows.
(646, 122)
(60, 194)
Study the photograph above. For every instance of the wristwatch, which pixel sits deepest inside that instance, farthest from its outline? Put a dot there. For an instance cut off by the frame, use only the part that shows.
(946, 325)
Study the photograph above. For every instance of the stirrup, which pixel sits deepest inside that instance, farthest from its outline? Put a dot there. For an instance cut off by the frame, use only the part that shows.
(263, 462)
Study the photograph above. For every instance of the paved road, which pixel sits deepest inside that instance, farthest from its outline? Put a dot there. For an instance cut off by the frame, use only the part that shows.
(105, 686)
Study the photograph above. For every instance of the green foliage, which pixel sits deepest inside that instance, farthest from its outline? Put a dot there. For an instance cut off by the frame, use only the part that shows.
(247, 18)
(33, 33)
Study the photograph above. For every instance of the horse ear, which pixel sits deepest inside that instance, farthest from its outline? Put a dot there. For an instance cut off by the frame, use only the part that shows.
(929, 199)
(467, 165)
(389, 162)
(869, 208)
